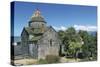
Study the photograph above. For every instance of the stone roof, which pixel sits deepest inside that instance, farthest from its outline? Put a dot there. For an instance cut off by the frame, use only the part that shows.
(37, 19)
(31, 30)
(37, 35)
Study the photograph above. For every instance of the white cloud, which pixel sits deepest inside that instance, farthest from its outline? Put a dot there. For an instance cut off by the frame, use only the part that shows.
(78, 27)
(85, 28)
(63, 28)
(60, 28)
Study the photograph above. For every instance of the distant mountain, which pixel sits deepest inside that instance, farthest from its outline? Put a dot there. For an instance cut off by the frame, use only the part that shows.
(16, 38)
(92, 32)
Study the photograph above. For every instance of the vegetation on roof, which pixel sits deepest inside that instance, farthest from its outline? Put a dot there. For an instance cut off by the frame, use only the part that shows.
(37, 19)
(35, 38)
(33, 31)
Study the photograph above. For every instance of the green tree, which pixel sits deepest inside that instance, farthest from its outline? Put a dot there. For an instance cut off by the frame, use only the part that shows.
(70, 39)
(61, 35)
(75, 41)
(89, 47)
(75, 47)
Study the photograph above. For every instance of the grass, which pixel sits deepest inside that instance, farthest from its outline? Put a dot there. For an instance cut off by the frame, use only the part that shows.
(48, 60)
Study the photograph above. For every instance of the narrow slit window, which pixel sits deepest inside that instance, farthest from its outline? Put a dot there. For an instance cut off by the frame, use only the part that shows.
(50, 42)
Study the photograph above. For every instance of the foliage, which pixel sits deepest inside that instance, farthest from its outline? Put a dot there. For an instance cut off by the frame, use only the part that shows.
(76, 42)
(74, 47)
(49, 59)
(89, 49)
(71, 40)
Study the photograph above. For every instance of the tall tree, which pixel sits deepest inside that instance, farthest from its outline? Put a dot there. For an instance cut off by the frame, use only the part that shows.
(70, 39)
(89, 48)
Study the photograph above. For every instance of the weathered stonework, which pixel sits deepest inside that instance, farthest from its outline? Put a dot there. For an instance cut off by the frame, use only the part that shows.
(38, 40)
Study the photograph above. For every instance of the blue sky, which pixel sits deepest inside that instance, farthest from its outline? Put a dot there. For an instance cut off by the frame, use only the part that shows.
(59, 16)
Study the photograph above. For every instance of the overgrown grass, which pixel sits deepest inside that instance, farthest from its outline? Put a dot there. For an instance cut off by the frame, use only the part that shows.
(42, 61)
(49, 59)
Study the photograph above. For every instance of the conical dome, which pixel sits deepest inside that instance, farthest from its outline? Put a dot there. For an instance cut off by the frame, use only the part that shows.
(36, 17)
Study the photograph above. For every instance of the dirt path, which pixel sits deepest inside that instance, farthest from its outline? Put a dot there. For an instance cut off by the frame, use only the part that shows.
(25, 61)
(63, 60)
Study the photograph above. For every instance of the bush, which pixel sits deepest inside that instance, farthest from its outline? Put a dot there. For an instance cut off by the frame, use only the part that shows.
(52, 59)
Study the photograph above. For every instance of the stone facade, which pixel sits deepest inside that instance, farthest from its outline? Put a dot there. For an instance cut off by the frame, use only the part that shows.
(39, 40)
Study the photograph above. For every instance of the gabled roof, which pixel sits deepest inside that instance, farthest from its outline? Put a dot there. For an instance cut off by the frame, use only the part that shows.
(31, 30)
(50, 27)
(37, 35)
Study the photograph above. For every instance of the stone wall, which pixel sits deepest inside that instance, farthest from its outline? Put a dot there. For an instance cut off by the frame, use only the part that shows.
(24, 43)
(49, 44)
(33, 50)
(17, 50)
(47, 48)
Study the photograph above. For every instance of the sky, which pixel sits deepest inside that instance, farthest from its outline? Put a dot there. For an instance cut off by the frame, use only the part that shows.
(59, 16)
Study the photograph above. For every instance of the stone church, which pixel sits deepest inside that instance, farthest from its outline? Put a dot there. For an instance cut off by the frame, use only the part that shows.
(39, 40)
